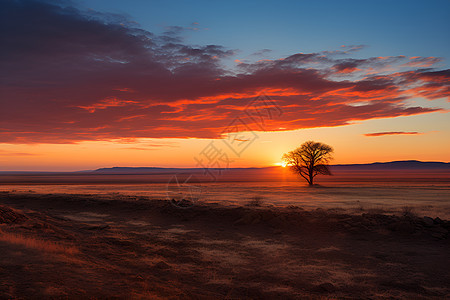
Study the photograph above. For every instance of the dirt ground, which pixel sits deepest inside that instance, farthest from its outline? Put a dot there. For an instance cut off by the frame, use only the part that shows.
(98, 246)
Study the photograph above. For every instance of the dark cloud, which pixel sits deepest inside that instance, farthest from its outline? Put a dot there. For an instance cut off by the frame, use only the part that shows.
(346, 67)
(69, 75)
(261, 52)
(392, 133)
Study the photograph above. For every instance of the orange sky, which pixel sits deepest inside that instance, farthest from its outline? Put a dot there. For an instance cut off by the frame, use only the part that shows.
(349, 142)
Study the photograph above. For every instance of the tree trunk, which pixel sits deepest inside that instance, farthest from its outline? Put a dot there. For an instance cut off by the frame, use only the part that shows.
(311, 180)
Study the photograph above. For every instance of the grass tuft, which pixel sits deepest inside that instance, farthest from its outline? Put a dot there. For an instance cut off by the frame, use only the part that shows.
(37, 244)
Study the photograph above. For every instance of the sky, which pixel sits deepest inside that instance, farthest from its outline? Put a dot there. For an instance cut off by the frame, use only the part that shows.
(90, 84)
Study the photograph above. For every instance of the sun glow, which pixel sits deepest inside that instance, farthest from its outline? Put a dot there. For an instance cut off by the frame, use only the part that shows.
(281, 164)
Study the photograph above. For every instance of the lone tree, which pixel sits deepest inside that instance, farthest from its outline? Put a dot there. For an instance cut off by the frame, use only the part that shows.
(310, 160)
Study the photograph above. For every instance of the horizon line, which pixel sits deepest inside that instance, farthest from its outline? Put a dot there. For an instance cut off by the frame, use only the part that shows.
(199, 168)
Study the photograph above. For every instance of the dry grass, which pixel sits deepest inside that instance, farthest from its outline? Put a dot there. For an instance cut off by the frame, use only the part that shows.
(256, 201)
(36, 244)
(151, 253)
(408, 212)
(223, 257)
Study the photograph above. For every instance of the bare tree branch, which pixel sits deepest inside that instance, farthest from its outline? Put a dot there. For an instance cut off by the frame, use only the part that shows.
(310, 160)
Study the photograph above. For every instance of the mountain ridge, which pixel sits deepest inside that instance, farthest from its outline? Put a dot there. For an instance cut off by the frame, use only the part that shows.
(394, 165)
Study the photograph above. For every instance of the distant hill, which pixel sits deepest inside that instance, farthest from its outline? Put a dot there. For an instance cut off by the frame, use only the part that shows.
(130, 169)
(393, 165)
(157, 170)
(129, 175)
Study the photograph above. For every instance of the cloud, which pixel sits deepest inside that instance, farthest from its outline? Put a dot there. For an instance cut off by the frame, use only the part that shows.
(262, 52)
(423, 62)
(152, 145)
(10, 153)
(70, 75)
(393, 133)
(346, 67)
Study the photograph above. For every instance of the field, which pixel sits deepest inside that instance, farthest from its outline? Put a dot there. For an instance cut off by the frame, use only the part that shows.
(113, 245)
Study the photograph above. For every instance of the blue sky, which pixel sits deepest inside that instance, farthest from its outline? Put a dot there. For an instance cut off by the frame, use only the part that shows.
(411, 28)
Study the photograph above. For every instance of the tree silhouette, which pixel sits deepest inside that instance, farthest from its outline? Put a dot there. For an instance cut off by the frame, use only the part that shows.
(310, 160)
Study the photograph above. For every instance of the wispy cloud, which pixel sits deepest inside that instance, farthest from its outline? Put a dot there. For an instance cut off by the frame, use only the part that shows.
(154, 146)
(393, 133)
(12, 153)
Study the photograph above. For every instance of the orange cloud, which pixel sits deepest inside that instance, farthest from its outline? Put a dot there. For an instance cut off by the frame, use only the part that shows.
(422, 62)
(105, 103)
